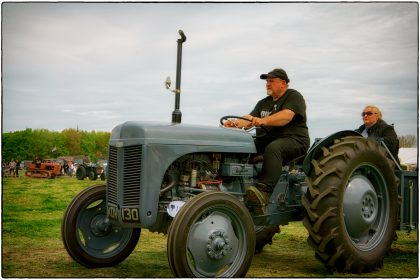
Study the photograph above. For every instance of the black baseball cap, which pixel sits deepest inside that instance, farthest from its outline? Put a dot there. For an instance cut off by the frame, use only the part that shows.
(276, 73)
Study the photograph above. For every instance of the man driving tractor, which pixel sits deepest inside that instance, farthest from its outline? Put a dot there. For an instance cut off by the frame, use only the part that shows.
(283, 114)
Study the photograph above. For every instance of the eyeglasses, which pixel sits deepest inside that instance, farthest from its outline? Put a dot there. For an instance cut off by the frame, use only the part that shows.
(367, 113)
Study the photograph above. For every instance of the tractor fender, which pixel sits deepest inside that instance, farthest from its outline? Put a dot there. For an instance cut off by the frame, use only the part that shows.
(316, 148)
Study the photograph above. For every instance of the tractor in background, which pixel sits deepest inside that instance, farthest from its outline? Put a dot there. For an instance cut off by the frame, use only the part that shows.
(90, 170)
(47, 169)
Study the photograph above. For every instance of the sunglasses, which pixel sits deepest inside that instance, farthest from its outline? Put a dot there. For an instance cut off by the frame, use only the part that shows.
(367, 113)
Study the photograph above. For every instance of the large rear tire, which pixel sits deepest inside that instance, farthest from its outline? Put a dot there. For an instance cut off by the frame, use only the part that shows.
(351, 205)
(211, 236)
(87, 235)
(81, 172)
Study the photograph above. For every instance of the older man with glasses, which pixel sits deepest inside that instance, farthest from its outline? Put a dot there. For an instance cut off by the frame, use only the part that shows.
(375, 127)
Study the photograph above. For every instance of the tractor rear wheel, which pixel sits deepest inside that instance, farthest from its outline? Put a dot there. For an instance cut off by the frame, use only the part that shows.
(88, 236)
(212, 235)
(351, 205)
(81, 172)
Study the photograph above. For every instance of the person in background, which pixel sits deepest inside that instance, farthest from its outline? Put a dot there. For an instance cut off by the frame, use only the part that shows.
(4, 168)
(12, 166)
(17, 167)
(86, 159)
(71, 168)
(374, 127)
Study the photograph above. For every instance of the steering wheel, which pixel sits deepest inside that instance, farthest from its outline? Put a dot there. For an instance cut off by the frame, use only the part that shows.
(262, 130)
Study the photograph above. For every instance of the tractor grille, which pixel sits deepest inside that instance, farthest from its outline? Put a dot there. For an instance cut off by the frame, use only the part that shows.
(131, 177)
(128, 160)
(112, 175)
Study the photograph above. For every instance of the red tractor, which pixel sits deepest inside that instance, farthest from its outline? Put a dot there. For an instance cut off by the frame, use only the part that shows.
(43, 169)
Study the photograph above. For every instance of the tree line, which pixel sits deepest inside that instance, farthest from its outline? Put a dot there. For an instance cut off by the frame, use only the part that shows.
(31, 143)
(407, 141)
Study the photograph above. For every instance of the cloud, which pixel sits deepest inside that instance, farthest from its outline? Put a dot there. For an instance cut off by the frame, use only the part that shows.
(99, 64)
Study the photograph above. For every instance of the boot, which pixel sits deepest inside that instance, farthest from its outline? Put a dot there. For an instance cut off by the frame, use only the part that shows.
(258, 199)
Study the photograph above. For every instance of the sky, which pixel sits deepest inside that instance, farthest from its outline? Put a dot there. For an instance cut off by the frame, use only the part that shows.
(93, 66)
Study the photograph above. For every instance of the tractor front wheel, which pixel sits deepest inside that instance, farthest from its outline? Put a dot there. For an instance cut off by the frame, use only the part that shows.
(351, 205)
(212, 235)
(88, 236)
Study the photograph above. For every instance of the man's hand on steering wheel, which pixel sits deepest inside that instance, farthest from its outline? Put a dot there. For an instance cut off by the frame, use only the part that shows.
(230, 123)
(236, 122)
(246, 123)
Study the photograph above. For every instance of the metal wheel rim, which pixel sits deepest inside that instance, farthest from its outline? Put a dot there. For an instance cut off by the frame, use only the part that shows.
(94, 233)
(223, 248)
(370, 213)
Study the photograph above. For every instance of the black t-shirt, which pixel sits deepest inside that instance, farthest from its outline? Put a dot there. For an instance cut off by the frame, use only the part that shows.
(293, 101)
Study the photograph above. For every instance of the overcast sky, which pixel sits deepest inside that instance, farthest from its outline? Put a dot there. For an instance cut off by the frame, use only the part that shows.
(96, 65)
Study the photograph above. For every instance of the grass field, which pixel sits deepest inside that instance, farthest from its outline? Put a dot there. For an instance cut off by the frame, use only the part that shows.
(32, 210)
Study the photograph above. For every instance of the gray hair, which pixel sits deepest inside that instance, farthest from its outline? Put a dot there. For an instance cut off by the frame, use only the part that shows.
(375, 110)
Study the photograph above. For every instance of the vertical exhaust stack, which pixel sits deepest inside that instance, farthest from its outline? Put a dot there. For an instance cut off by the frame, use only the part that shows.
(176, 114)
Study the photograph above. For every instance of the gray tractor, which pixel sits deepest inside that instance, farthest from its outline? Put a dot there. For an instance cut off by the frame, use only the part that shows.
(189, 182)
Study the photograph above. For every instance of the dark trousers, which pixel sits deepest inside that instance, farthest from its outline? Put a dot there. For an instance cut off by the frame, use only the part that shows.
(276, 153)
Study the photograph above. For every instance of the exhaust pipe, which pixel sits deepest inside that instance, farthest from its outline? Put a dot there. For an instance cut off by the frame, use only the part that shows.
(176, 114)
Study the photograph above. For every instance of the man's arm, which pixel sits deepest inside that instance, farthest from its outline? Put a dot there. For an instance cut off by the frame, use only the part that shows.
(280, 118)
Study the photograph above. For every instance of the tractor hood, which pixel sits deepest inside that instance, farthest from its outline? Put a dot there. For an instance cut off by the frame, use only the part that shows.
(145, 133)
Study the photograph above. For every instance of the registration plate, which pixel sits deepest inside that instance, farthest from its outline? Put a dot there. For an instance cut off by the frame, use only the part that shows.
(128, 214)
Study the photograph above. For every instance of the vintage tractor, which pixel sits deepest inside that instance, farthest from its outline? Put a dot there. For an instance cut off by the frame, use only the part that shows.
(91, 171)
(43, 169)
(189, 182)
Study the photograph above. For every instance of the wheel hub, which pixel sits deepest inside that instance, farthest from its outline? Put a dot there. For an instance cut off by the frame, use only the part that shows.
(100, 225)
(217, 245)
(360, 206)
(212, 244)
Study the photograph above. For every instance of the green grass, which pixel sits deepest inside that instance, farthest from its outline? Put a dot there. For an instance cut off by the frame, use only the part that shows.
(32, 211)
